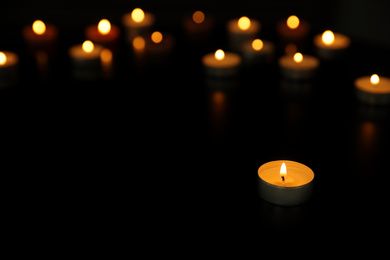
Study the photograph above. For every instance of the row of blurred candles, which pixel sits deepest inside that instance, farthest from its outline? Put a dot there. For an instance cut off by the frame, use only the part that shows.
(244, 46)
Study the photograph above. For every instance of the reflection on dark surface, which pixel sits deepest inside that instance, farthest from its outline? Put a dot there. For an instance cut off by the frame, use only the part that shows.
(220, 92)
(218, 112)
(42, 63)
(281, 219)
(371, 137)
(135, 142)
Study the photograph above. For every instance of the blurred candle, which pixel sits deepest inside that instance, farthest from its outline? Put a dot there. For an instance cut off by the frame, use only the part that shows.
(257, 51)
(137, 23)
(373, 90)
(221, 64)
(298, 66)
(330, 46)
(285, 183)
(159, 47)
(103, 33)
(40, 36)
(293, 30)
(86, 60)
(242, 30)
(198, 26)
(8, 68)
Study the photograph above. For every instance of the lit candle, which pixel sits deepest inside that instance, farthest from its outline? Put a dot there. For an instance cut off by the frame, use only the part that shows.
(242, 30)
(293, 30)
(221, 64)
(8, 68)
(331, 45)
(298, 66)
(137, 23)
(158, 46)
(40, 36)
(103, 33)
(285, 183)
(257, 51)
(373, 90)
(86, 59)
(198, 26)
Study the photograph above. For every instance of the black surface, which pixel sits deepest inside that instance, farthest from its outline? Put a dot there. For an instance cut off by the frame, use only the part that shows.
(146, 160)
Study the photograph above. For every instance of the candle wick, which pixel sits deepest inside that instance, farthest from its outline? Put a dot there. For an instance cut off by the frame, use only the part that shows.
(282, 179)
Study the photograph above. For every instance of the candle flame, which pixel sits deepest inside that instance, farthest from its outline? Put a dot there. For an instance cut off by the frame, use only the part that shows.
(298, 57)
(87, 46)
(219, 54)
(293, 22)
(157, 37)
(104, 26)
(244, 23)
(257, 44)
(198, 17)
(328, 37)
(39, 27)
(374, 79)
(138, 15)
(3, 58)
(283, 172)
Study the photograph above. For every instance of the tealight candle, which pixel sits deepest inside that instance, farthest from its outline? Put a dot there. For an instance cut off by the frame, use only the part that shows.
(285, 183)
(8, 68)
(241, 30)
(257, 51)
(293, 30)
(373, 90)
(159, 46)
(298, 66)
(40, 36)
(331, 45)
(221, 64)
(137, 23)
(86, 59)
(103, 33)
(198, 26)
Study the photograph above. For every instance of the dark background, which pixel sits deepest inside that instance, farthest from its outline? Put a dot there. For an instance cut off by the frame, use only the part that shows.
(158, 159)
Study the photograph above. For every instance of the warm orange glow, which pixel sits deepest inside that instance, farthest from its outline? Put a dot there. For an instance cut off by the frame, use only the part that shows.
(283, 172)
(104, 26)
(219, 54)
(293, 22)
(157, 37)
(39, 27)
(290, 49)
(328, 37)
(298, 57)
(138, 15)
(374, 79)
(3, 58)
(87, 46)
(139, 43)
(198, 17)
(244, 23)
(106, 56)
(257, 44)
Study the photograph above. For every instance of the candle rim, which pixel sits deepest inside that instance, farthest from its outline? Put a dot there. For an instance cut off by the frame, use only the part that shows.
(127, 21)
(341, 41)
(232, 26)
(290, 165)
(11, 58)
(364, 84)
